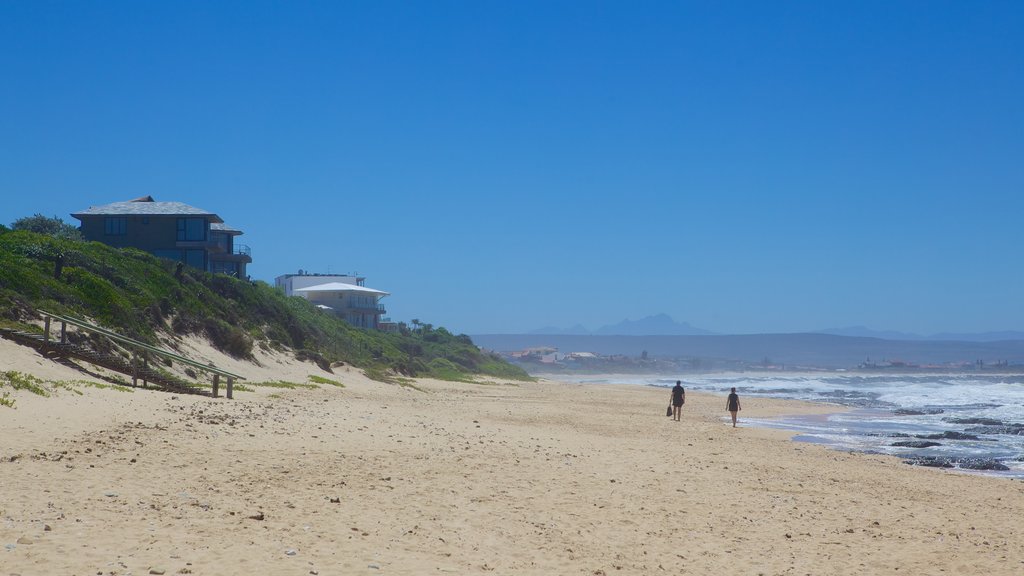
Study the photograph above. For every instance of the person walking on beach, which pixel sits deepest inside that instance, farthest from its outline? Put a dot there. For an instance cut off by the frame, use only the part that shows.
(732, 404)
(678, 399)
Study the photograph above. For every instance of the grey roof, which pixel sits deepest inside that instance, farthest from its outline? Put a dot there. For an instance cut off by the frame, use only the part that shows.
(225, 228)
(135, 208)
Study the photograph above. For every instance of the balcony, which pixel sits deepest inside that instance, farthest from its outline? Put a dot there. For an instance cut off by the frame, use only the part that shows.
(377, 309)
(208, 245)
(240, 253)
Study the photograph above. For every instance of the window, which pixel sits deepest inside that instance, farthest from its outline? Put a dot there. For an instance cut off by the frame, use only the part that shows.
(196, 258)
(169, 254)
(220, 267)
(192, 229)
(223, 241)
(115, 225)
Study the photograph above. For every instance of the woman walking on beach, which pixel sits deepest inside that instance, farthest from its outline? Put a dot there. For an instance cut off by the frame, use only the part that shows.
(678, 399)
(732, 404)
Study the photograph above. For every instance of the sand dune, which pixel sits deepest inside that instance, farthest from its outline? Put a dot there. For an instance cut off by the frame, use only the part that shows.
(525, 478)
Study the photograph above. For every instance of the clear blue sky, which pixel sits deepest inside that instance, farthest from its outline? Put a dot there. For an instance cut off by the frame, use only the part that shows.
(503, 166)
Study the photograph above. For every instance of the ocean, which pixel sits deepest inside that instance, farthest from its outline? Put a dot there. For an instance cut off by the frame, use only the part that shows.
(963, 422)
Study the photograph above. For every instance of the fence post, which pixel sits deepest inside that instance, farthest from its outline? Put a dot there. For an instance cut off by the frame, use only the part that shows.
(231, 386)
(216, 384)
(46, 328)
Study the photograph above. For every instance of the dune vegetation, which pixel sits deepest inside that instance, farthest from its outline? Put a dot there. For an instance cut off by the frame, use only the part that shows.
(156, 300)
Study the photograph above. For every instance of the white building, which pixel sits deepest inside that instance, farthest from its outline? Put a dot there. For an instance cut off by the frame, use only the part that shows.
(344, 295)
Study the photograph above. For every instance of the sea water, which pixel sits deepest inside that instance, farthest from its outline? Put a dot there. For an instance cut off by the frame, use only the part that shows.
(964, 422)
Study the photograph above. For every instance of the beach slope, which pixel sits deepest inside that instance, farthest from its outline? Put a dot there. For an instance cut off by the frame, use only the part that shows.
(441, 477)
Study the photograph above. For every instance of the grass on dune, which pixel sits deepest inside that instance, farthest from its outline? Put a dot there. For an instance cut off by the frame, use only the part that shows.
(144, 297)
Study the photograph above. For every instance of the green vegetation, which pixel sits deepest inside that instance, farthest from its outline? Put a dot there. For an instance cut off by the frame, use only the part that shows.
(281, 384)
(72, 384)
(326, 381)
(50, 226)
(20, 381)
(142, 296)
(38, 386)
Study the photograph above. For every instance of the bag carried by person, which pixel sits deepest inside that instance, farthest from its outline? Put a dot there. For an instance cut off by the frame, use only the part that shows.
(669, 411)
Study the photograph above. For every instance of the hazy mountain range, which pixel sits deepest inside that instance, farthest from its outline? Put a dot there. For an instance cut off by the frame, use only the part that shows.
(657, 325)
(861, 331)
(664, 325)
(819, 350)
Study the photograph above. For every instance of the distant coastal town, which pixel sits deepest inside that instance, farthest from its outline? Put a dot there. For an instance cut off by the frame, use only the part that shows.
(552, 360)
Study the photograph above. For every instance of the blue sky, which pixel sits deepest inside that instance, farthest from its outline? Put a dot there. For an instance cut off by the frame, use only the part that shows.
(503, 166)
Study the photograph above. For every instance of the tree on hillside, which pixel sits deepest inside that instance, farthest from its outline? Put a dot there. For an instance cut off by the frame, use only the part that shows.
(56, 252)
(50, 226)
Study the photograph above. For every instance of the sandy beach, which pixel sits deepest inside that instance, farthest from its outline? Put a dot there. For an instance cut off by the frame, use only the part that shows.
(440, 477)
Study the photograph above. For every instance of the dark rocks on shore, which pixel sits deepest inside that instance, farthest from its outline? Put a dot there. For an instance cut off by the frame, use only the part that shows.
(917, 411)
(979, 421)
(855, 398)
(916, 443)
(949, 435)
(1007, 429)
(961, 463)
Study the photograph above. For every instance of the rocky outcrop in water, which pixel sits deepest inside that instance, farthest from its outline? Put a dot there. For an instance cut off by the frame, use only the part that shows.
(1008, 429)
(916, 444)
(950, 435)
(856, 398)
(980, 421)
(961, 463)
(917, 411)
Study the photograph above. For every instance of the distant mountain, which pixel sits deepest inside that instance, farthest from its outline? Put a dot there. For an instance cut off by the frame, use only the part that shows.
(863, 332)
(818, 350)
(980, 337)
(657, 325)
(664, 325)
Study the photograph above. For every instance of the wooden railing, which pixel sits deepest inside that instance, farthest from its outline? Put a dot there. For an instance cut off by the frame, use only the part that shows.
(138, 368)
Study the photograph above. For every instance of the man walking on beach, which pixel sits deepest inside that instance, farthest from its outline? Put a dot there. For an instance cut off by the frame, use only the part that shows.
(678, 399)
(732, 404)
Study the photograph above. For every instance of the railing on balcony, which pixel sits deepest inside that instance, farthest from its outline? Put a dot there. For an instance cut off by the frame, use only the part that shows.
(367, 308)
(242, 250)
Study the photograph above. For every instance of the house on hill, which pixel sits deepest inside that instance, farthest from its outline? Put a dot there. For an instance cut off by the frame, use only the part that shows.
(169, 230)
(344, 295)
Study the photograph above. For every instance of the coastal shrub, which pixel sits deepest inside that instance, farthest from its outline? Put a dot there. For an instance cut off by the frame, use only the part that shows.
(54, 226)
(142, 296)
(315, 357)
(228, 338)
(383, 374)
(6, 400)
(443, 369)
